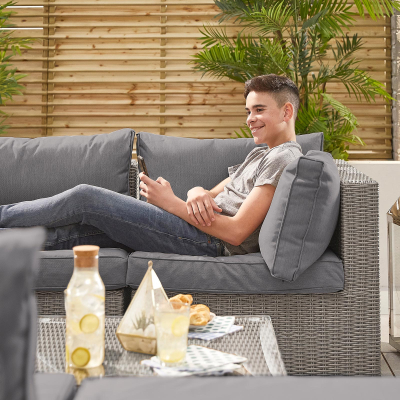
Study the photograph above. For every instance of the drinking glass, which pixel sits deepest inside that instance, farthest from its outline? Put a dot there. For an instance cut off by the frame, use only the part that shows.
(172, 326)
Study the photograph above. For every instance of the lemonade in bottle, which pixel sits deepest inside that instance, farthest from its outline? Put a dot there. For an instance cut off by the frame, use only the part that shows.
(84, 306)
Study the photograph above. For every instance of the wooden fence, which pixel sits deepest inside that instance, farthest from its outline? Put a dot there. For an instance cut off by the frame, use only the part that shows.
(102, 65)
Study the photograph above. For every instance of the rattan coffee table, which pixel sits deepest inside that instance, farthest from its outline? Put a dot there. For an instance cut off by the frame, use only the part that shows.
(256, 342)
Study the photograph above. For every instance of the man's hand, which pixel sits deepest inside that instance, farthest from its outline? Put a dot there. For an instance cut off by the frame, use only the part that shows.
(158, 192)
(200, 206)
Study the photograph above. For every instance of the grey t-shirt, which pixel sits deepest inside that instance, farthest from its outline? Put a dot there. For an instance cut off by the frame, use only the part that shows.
(261, 166)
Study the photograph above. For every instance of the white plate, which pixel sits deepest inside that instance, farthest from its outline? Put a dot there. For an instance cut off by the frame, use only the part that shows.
(212, 315)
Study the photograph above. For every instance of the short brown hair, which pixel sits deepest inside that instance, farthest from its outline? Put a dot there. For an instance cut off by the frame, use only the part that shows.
(281, 88)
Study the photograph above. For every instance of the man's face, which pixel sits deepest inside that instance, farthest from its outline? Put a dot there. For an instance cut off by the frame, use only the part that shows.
(264, 118)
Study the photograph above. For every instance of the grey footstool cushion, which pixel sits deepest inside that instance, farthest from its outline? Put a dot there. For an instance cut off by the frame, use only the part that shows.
(241, 274)
(239, 388)
(55, 386)
(56, 269)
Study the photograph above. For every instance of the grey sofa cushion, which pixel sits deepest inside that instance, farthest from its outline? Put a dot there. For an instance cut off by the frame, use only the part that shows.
(56, 269)
(186, 162)
(239, 388)
(19, 250)
(242, 274)
(43, 167)
(302, 217)
(55, 386)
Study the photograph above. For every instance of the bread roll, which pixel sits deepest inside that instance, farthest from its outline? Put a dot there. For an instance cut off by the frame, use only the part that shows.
(199, 315)
(182, 298)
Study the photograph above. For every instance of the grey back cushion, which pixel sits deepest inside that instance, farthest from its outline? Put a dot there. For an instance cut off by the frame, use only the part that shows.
(187, 163)
(19, 256)
(302, 217)
(42, 167)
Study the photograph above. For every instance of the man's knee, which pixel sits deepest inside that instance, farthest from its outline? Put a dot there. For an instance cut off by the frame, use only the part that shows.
(83, 192)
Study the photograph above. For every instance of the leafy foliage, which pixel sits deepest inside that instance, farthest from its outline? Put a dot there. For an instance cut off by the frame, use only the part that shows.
(9, 47)
(293, 38)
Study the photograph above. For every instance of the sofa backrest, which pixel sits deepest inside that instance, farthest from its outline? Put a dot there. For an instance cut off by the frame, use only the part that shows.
(186, 162)
(19, 256)
(42, 167)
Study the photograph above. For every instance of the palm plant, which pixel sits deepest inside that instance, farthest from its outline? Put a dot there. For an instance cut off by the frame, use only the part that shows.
(292, 38)
(9, 46)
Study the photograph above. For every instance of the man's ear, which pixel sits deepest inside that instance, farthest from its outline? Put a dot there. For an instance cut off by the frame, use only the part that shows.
(288, 111)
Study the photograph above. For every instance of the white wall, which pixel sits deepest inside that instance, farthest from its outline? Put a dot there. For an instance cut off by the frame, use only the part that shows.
(387, 174)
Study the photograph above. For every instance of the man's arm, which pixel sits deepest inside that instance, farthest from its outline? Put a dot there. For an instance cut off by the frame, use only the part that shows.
(219, 188)
(200, 203)
(236, 229)
(230, 229)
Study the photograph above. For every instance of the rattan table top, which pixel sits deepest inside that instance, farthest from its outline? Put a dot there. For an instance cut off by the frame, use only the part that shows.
(256, 342)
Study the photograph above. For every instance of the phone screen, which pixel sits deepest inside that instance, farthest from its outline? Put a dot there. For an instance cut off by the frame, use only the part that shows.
(142, 165)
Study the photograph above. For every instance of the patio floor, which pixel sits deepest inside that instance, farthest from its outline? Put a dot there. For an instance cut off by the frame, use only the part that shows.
(390, 360)
(390, 357)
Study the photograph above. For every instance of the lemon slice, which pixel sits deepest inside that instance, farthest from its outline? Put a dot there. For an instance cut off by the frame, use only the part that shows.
(89, 323)
(80, 356)
(172, 356)
(180, 325)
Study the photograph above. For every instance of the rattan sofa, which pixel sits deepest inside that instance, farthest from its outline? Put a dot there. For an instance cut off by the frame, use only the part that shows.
(318, 334)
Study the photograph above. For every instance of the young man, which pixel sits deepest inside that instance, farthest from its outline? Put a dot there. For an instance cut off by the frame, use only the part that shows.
(225, 220)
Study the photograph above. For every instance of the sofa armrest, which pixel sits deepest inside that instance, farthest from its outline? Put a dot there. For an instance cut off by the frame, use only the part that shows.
(356, 238)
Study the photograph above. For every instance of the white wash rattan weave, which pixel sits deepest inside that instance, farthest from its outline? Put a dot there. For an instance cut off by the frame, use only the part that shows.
(52, 303)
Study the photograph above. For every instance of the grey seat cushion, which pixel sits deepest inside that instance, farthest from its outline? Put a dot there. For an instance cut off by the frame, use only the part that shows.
(302, 216)
(55, 386)
(56, 269)
(42, 167)
(239, 388)
(19, 250)
(242, 274)
(186, 162)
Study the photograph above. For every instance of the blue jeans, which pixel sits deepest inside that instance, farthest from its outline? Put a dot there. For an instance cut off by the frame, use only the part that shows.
(89, 214)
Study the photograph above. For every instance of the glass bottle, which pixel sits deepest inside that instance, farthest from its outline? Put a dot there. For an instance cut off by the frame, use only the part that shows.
(85, 312)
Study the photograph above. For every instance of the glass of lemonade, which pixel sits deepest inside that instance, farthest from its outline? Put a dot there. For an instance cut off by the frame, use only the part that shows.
(172, 326)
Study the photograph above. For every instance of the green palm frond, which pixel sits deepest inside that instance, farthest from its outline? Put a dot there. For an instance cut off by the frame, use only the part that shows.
(359, 82)
(240, 61)
(327, 17)
(310, 120)
(376, 8)
(341, 109)
(346, 48)
(212, 35)
(239, 8)
(270, 19)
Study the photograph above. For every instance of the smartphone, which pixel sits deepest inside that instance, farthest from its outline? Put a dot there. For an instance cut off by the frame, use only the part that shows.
(142, 165)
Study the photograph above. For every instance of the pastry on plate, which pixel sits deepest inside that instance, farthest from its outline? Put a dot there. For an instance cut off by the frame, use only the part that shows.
(199, 315)
(182, 298)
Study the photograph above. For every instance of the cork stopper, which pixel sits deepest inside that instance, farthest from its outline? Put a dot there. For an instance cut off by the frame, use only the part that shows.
(86, 256)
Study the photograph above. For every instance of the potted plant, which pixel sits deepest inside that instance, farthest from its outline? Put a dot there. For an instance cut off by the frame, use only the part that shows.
(292, 38)
(9, 47)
